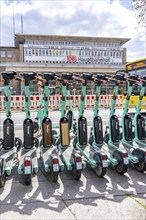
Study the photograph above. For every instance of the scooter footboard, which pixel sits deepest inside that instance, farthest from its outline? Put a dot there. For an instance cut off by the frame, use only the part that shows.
(8, 131)
(9, 157)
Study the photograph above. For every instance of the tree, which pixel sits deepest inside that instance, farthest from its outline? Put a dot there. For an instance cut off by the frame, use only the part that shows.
(140, 11)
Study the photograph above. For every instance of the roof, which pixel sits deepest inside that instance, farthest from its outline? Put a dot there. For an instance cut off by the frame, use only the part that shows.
(22, 37)
(134, 61)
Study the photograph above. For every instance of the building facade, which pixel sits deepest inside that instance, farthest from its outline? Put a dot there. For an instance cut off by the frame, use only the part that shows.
(64, 53)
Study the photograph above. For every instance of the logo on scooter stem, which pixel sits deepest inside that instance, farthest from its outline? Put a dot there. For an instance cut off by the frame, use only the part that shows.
(28, 130)
(8, 130)
(47, 128)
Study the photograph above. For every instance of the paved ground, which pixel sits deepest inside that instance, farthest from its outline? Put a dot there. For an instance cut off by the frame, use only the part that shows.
(112, 197)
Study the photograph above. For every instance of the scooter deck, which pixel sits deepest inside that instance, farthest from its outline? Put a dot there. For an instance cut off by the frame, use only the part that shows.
(9, 156)
(66, 154)
(46, 153)
(88, 150)
(33, 154)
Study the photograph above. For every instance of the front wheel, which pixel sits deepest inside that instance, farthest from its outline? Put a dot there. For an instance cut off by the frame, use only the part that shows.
(28, 179)
(121, 168)
(77, 174)
(54, 177)
(2, 180)
(18, 143)
(100, 171)
(35, 126)
(140, 166)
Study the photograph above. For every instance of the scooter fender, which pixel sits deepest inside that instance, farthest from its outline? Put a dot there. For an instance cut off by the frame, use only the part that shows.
(140, 153)
(118, 155)
(98, 157)
(78, 166)
(54, 167)
(2, 166)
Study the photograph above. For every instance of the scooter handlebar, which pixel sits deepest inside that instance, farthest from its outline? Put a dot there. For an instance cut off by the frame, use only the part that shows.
(28, 77)
(7, 76)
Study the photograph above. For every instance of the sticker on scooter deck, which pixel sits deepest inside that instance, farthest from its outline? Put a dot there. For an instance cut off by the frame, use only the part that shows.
(47, 132)
(28, 133)
(89, 151)
(64, 132)
(8, 131)
(46, 152)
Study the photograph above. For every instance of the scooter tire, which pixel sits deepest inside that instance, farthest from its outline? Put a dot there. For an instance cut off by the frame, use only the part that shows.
(121, 168)
(54, 177)
(100, 171)
(140, 166)
(1, 143)
(28, 179)
(2, 180)
(18, 143)
(35, 127)
(77, 174)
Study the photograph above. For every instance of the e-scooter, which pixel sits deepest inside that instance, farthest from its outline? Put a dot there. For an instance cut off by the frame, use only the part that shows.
(10, 144)
(96, 139)
(112, 133)
(136, 155)
(50, 155)
(139, 121)
(95, 158)
(71, 158)
(28, 162)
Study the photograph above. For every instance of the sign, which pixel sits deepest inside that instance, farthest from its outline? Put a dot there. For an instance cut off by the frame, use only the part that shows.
(71, 59)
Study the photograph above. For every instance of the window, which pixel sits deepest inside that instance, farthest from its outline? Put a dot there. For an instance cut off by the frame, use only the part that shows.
(3, 53)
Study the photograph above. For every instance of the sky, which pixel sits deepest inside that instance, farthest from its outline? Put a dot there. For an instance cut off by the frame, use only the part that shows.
(98, 18)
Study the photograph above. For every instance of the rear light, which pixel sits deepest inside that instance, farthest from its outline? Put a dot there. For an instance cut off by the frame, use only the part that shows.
(78, 159)
(55, 164)
(145, 153)
(104, 157)
(125, 155)
(27, 163)
(55, 161)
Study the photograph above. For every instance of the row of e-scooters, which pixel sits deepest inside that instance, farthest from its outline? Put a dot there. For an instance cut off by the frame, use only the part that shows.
(120, 146)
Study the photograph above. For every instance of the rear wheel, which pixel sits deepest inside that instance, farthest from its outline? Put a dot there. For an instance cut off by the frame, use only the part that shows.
(2, 180)
(77, 174)
(121, 168)
(36, 142)
(54, 177)
(28, 179)
(140, 166)
(100, 171)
